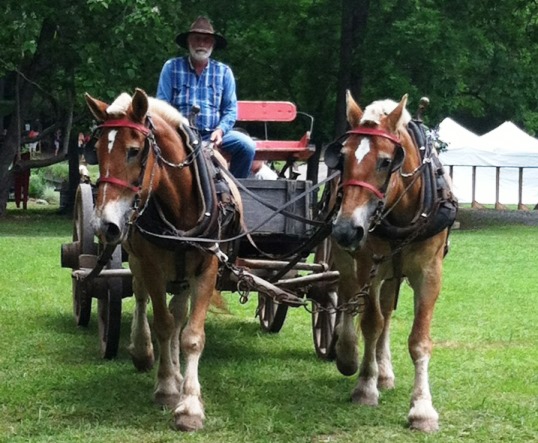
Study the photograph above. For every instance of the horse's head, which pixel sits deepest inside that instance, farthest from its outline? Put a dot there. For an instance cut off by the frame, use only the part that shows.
(369, 155)
(122, 148)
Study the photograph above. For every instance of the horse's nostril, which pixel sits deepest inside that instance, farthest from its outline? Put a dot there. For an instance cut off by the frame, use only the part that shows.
(112, 232)
(360, 233)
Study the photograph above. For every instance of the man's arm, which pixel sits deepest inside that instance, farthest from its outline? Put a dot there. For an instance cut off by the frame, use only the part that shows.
(228, 106)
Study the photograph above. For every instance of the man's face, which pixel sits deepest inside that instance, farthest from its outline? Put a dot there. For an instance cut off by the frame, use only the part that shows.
(200, 46)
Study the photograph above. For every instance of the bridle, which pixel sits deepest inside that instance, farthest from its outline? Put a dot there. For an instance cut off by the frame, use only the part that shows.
(379, 193)
(124, 123)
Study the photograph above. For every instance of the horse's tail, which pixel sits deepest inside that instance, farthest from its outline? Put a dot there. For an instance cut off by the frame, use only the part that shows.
(219, 303)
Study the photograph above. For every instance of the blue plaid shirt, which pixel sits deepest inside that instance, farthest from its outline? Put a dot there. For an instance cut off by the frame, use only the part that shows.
(213, 91)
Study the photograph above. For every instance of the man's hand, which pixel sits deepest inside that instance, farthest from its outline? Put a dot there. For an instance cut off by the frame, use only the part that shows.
(216, 137)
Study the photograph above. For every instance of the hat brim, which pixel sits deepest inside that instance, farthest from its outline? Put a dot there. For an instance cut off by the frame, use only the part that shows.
(220, 41)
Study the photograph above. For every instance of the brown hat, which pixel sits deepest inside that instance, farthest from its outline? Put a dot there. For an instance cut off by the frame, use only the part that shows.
(202, 25)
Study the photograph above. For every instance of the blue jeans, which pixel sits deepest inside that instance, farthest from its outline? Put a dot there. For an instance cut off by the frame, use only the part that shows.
(241, 149)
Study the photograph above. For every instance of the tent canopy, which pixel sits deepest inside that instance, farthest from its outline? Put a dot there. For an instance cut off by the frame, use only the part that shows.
(506, 146)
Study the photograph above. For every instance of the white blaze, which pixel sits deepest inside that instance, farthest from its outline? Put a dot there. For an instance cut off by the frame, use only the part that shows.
(111, 138)
(363, 149)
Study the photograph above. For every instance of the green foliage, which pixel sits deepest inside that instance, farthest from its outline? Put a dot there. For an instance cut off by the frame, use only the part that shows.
(475, 65)
(57, 172)
(37, 186)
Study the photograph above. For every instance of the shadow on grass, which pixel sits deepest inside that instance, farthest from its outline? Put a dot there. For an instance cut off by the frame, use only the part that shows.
(247, 378)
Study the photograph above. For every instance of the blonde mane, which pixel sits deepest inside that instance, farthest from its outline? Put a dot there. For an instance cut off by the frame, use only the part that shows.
(375, 110)
(120, 106)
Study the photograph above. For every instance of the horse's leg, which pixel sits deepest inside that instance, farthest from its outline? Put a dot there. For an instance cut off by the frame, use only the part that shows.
(141, 348)
(385, 379)
(347, 355)
(178, 307)
(166, 390)
(426, 285)
(189, 413)
(371, 323)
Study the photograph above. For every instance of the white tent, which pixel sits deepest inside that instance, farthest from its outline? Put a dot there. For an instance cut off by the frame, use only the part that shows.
(506, 146)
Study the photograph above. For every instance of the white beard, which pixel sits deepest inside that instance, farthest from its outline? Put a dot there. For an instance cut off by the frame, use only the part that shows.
(200, 54)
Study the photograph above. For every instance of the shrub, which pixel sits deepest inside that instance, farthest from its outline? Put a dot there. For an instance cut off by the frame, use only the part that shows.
(37, 185)
(50, 195)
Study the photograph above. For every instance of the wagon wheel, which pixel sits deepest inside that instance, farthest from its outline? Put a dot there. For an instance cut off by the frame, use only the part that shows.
(83, 236)
(324, 315)
(271, 313)
(109, 310)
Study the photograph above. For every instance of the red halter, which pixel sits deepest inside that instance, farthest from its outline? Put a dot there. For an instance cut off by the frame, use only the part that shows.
(123, 123)
(370, 132)
(378, 132)
(120, 183)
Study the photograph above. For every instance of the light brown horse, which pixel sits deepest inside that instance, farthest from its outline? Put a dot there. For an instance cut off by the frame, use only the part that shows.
(382, 234)
(143, 161)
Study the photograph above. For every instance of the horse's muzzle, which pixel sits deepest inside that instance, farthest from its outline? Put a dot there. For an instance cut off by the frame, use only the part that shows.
(111, 224)
(347, 235)
(111, 233)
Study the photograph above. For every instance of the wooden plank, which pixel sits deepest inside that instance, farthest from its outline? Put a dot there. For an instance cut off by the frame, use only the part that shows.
(266, 111)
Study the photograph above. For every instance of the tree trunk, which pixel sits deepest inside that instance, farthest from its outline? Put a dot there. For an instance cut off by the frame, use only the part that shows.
(353, 30)
(25, 95)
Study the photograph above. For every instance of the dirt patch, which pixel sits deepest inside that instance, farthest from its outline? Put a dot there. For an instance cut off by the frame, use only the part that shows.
(477, 218)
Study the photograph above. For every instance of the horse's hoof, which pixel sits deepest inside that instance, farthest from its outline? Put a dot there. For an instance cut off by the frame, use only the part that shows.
(143, 364)
(424, 425)
(423, 417)
(385, 383)
(189, 423)
(347, 367)
(166, 400)
(362, 397)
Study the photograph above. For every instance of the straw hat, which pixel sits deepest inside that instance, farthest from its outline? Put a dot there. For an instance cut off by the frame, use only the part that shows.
(202, 25)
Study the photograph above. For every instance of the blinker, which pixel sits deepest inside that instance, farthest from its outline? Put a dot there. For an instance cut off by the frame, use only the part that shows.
(333, 155)
(90, 154)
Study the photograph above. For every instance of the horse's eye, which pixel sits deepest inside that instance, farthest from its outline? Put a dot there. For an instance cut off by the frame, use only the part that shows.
(383, 163)
(132, 153)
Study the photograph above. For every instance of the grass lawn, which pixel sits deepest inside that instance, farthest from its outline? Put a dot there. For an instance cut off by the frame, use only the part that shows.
(269, 388)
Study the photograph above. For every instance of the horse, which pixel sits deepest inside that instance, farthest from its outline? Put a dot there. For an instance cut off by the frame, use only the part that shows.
(151, 163)
(385, 231)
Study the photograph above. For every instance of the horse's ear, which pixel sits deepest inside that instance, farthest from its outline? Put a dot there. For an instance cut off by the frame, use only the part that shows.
(353, 110)
(97, 107)
(140, 105)
(394, 119)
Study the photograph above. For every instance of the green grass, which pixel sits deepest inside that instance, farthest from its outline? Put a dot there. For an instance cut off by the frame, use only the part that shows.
(269, 388)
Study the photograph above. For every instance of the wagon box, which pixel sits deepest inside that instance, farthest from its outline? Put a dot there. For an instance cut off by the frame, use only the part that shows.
(277, 231)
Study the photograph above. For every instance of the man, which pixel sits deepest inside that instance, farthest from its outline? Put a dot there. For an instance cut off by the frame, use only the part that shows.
(199, 80)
